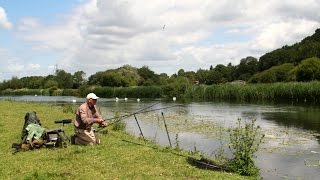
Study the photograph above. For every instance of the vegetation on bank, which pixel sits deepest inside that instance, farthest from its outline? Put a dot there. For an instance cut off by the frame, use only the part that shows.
(292, 92)
(120, 156)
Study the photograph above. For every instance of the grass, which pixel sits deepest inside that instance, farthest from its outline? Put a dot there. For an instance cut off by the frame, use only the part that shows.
(120, 156)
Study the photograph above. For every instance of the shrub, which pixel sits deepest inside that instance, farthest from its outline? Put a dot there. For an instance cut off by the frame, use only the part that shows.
(244, 142)
(309, 70)
(118, 124)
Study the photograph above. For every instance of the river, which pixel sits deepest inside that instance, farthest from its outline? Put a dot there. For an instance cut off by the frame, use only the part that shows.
(290, 149)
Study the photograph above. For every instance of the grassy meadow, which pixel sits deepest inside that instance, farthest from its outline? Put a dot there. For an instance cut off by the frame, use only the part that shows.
(120, 156)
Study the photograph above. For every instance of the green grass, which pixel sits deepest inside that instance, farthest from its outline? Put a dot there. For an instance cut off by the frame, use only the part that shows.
(120, 156)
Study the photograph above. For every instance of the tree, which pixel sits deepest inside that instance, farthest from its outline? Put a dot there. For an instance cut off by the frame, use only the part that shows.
(124, 76)
(177, 88)
(191, 75)
(214, 77)
(225, 71)
(148, 77)
(248, 66)
(64, 79)
(309, 70)
(163, 79)
(129, 75)
(50, 84)
(15, 83)
(202, 75)
(78, 79)
(181, 72)
(275, 74)
(32, 82)
(96, 79)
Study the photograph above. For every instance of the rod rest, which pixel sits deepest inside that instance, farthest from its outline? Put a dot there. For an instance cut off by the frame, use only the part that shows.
(64, 121)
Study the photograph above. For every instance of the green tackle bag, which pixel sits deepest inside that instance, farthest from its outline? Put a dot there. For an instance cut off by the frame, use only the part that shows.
(29, 118)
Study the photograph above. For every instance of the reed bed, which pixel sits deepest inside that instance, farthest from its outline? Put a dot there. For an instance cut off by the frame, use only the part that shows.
(306, 92)
(292, 91)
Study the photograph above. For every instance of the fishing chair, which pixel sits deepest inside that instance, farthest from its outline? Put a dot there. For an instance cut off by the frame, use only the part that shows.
(57, 137)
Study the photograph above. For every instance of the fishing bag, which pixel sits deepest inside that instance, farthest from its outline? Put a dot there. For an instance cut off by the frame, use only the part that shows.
(29, 118)
(32, 134)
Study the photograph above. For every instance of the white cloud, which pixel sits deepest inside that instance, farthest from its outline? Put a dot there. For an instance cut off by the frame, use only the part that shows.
(283, 33)
(4, 23)
(32, 66)
(167, 35)
(10, 66)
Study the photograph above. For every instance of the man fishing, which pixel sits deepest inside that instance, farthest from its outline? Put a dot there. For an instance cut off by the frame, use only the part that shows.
(86, 116)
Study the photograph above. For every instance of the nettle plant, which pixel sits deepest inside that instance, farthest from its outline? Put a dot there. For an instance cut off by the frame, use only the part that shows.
(245, 140)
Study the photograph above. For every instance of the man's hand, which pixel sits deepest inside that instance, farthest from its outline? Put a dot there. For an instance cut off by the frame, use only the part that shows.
(99, 120)
(104, 124)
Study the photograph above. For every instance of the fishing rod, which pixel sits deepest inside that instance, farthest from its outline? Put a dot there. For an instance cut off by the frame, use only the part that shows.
(125, 116)
(144, 111)
(137, 112)
(167, 107)
(140, 112)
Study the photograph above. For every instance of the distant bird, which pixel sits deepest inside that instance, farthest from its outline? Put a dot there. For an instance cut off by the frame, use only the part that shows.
(174, 98)
(117, 99)
(125, 99)
(74, 100)
(138, 100)
(163, 26)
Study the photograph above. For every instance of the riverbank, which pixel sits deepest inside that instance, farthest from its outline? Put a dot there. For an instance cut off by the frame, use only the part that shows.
(120, 156)
(290, 92)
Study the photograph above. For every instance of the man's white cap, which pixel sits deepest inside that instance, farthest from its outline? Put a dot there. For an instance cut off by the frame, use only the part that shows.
(92, 96)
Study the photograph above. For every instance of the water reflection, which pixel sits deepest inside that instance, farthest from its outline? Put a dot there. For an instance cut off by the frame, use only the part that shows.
(305, 119)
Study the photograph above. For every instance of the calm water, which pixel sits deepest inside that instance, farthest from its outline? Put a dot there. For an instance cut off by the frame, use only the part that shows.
(290, 150)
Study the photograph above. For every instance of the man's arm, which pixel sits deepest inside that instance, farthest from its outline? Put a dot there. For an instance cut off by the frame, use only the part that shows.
(99, 118)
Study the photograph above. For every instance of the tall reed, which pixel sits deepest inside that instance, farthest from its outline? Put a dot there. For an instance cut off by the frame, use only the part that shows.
(292, 91)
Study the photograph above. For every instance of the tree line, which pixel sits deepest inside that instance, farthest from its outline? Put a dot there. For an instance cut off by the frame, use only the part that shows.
(299, 62)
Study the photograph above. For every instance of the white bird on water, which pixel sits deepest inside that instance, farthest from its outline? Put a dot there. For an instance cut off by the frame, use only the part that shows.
(138, 100)
(125, 99)
(174, 98)
(117, 99)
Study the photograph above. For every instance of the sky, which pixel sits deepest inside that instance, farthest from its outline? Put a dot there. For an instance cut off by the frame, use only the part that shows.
(38, 36)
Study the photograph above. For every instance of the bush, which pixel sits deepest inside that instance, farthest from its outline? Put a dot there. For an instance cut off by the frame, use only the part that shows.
(117, 123)
(309, 70)
(244, 142)
(275, 74)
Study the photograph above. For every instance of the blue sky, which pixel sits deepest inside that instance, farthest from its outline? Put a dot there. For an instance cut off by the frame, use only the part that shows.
(96, 35)
(45, 9)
